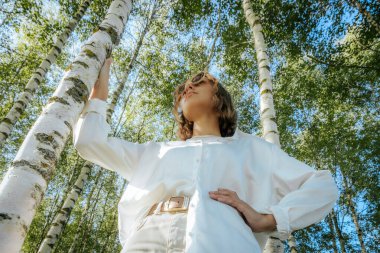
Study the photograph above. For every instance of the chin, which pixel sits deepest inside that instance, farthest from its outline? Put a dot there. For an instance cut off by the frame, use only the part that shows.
(187, 116)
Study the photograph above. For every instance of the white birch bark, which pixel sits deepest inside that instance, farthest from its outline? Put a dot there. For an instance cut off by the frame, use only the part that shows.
(25, 182)
(7, 124)
(61, 219)
(267, 111)
(62, 216)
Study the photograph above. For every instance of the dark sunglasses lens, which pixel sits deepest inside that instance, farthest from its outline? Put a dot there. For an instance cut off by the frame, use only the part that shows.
(197, 77)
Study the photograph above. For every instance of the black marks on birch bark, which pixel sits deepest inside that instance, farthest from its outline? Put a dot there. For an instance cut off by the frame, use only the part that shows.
(108, 51)
(57, 48)
(36, 80)
(90, 54)
(112, 33)
(85, 65)
(79, 91)
(266, 91)
(68, 125)
(58, 99)
(37, 194)
(5, 216)
(24, 163)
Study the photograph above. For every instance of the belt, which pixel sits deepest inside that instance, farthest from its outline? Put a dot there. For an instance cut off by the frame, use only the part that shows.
(174, 204)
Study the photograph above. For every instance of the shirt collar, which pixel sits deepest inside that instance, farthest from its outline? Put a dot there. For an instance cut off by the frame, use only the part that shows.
(235, 136)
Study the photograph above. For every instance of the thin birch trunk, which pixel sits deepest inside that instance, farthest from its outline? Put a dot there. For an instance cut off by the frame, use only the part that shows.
(126, 100)
(116, 95)
(114, 216)
(63, 215)
(103, 218)
(84, 214)
(267, 111)
(342, 242)
(212, 50)
(89, 222)
(25, 182)
(18, 108)
(331, 226)
(52, 214)
(113, 232)
(354, 215)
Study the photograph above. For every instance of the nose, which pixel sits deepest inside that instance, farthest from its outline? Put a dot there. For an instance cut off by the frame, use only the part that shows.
(187, 87)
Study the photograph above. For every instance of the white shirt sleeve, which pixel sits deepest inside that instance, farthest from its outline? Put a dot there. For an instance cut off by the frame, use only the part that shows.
(91, 140)
(306, 195)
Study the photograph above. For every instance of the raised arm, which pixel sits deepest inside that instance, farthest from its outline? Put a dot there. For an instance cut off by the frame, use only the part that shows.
(91, 140)
(307, 195)
(90, 134)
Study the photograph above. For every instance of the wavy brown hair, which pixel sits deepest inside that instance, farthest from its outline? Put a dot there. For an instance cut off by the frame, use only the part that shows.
(223, 106)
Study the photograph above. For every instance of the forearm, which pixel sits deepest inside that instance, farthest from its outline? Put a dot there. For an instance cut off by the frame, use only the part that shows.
(256, 221)
(100, 89)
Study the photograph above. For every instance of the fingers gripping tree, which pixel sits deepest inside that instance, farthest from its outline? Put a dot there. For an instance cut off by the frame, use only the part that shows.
(25, 182)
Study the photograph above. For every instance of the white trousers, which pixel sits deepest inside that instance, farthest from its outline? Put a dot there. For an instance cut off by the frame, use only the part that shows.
(158, 233)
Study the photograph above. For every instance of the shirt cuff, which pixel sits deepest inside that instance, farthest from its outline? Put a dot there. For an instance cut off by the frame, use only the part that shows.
(282, 219)
(95, 105)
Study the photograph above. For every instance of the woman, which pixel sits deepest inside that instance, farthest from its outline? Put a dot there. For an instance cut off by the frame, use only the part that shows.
(217, 189)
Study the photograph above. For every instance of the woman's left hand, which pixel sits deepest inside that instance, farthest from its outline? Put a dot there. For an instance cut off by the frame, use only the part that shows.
(256, 221)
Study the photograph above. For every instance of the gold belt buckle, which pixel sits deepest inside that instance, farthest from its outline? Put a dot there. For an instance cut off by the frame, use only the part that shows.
(178, 204)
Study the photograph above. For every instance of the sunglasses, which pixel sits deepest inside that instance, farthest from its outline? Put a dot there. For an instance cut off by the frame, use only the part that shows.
(200, 77)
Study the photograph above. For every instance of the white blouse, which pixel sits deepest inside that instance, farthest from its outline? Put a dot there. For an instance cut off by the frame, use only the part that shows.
(263, 175)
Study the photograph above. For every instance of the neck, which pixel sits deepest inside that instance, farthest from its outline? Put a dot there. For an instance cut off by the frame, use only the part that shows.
(206, 125)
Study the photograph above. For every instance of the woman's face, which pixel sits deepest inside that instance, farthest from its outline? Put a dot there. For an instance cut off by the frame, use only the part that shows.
(197, 100)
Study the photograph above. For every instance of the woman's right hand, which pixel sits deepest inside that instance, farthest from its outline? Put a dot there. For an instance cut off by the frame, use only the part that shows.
(100, 89)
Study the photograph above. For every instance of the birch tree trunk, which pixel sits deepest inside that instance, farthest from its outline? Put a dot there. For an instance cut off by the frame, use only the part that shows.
(116, 95)
(25, 182)
(94, 234)
(89, 222)
(63, 216)
(7, 124)
(114, 219)
(331, 226)
(84, 214)
(49, 219)
(339, 232)
(267, 112)
(354, 214)
(212, 50)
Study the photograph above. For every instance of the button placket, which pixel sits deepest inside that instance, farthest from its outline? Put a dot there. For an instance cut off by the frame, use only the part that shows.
(197, 162)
